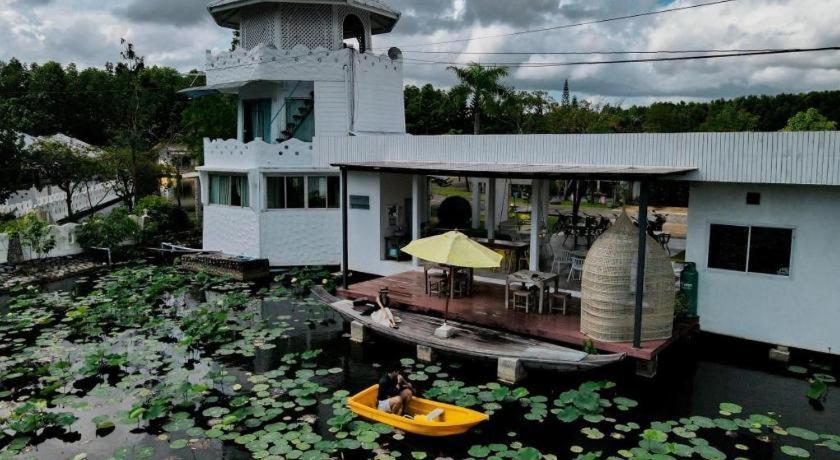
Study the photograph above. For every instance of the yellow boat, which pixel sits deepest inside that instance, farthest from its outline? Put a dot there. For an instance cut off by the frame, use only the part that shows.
(428, 418)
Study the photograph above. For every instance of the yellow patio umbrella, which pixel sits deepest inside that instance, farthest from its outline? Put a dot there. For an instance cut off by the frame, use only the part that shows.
(455, 250)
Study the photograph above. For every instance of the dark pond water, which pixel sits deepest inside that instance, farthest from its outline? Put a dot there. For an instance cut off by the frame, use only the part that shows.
(694, 379)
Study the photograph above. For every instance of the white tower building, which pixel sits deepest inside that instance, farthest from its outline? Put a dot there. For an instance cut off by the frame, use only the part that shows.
(304, 74)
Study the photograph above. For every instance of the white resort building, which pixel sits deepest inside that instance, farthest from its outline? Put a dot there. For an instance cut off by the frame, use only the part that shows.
(764, 208)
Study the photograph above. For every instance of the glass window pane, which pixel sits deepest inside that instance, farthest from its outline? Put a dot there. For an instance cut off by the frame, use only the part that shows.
(317, 192)
(294, 192)
(334, 191)
(728, 247)
(214, 189)
(236, 191)
(276, 198)
(770, 250)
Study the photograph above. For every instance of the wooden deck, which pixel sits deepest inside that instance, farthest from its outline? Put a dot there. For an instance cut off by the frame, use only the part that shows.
(477, 342)
(486, 308)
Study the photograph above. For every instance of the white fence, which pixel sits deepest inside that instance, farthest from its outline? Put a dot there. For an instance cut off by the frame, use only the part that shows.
(65, 243)
(54, 206)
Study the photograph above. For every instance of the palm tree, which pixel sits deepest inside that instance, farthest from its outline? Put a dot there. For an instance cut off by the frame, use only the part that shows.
(480, 85)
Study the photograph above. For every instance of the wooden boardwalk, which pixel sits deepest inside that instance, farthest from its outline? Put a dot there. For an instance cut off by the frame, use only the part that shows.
(478, 342)
(486, 308)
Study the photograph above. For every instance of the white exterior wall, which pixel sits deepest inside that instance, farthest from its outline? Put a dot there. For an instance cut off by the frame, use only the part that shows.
(773, 157)
(332, 112)
(231, 230)
(291, 237)
(368, 226)
(802, 310)
(379, 105)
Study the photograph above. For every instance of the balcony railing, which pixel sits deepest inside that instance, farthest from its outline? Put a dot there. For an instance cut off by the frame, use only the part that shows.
(233, 154)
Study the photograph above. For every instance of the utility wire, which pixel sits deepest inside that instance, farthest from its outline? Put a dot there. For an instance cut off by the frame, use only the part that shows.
(627, 61)
(577, 24)
(582, 53)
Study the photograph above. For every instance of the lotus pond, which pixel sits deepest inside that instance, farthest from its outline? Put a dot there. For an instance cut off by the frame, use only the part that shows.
(150, 362)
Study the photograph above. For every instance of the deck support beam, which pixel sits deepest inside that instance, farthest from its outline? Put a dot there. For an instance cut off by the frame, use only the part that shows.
(345, 254)
(644, 197)
(647, 368)
(425, 354)
(510, 371)
(358, 332)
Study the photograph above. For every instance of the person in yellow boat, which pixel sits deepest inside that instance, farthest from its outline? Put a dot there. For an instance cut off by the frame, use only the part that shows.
(395, 392)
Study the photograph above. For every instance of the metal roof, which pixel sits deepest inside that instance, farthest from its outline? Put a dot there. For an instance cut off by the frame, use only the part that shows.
(518, 170)
(384, 16)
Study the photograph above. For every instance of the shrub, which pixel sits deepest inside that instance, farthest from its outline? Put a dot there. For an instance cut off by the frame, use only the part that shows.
(109, 231)
(32, 232)
(163, 216)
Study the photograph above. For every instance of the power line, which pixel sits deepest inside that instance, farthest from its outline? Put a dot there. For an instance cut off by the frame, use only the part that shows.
(581, 53)
(577, 24)
(627, 61)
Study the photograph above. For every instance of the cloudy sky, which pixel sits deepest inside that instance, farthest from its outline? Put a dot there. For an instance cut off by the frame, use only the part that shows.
(176, 33)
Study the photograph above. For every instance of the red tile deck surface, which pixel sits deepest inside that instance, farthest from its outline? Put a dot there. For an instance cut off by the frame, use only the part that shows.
(486, 308)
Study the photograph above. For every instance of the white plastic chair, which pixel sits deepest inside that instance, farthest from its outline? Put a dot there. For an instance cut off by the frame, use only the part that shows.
(576, 269)
(561, 255)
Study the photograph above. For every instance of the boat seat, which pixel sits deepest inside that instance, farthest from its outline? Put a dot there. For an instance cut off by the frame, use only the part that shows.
(434, 415)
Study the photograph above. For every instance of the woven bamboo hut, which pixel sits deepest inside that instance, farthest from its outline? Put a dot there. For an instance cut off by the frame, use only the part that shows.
(608, 287)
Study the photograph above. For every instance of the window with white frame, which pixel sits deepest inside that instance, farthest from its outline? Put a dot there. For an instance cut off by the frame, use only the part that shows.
(303, 192)
(751, 249)
(229, 190)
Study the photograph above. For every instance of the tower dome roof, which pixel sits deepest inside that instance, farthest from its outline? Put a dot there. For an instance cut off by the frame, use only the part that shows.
(383, 16)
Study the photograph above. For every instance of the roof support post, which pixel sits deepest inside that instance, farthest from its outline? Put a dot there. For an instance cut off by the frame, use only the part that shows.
(345, 205)
(418, 202)
(476, 203)
(644, 196)
(490, 220)
(536, 218)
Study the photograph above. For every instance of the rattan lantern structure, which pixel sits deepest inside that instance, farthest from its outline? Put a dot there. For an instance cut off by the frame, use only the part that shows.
(608, 287)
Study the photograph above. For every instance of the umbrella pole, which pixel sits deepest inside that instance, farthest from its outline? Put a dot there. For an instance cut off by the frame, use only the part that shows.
(448, 295)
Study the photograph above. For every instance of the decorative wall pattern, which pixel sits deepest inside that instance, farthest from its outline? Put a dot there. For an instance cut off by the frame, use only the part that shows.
(231, 153)
(340, 13)
(259, 26)
(308, 25)
(265, 62)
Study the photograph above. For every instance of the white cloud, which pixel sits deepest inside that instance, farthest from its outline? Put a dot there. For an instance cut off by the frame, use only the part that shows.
(176, 33)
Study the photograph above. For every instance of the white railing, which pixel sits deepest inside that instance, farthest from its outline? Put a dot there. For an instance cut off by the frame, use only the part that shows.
(233, 154)
(55, 207)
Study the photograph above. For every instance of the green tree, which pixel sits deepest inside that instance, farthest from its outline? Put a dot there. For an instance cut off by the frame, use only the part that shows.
(66, 167)
(810, 120)
(34, 234)
(728, 119)
(479, 85)
(14, 174)
(134, 174)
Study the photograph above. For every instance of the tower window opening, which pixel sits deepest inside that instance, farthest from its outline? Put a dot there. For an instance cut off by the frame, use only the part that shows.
(354, 32)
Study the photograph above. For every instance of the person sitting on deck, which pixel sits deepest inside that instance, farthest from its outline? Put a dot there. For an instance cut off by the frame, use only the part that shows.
(384, 316)
(395, 392)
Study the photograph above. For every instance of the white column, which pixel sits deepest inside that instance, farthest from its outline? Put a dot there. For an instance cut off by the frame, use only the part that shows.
(536, 217)
(418, 199)
(476, 202)
(490, 221)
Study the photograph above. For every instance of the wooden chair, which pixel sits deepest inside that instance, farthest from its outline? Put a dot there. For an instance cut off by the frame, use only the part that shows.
(522, 299)
(438, 286)
(558, 301)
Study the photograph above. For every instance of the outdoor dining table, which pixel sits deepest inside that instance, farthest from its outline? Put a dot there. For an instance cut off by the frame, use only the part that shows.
(539, 279)
(518, 247)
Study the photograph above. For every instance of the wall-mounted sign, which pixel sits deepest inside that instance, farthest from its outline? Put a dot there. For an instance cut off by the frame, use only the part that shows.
(359, 202)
